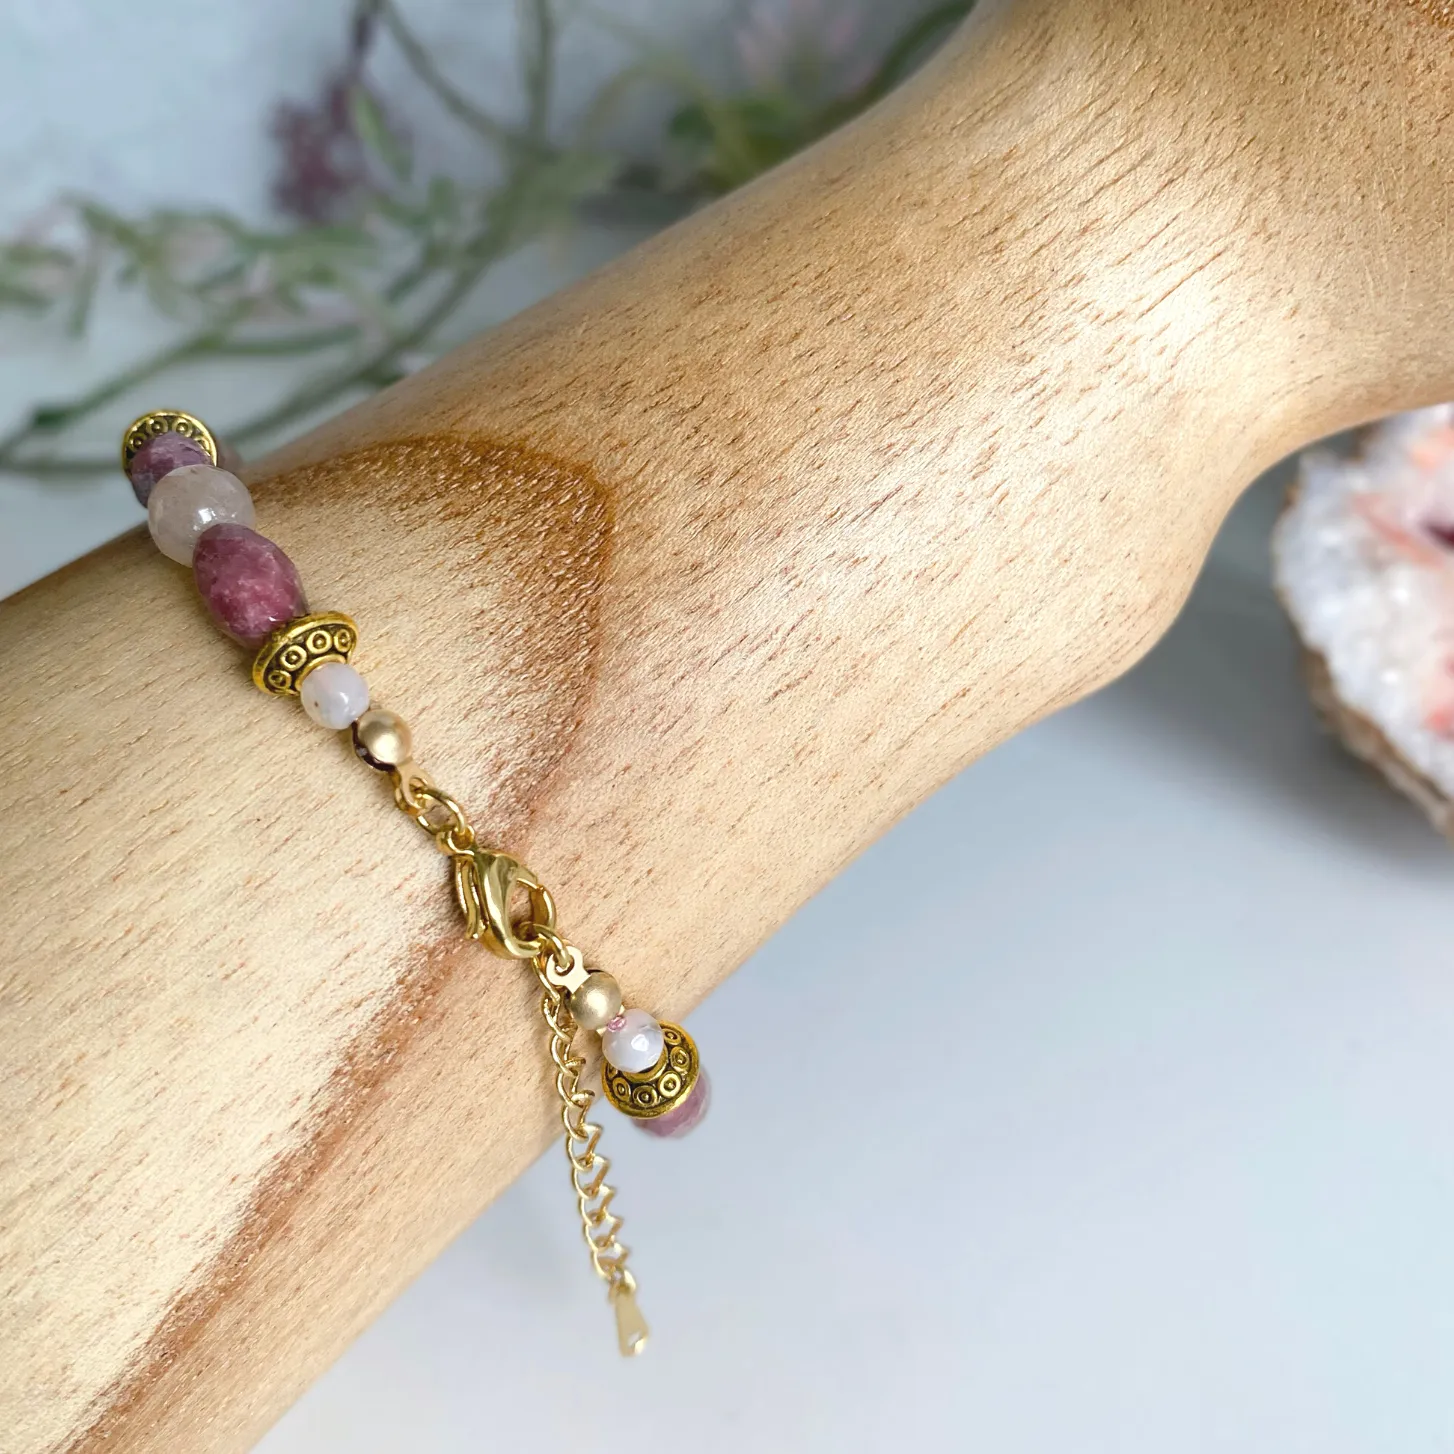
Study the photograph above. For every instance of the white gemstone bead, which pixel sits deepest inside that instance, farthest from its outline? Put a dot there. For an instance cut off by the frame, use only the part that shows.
(636, 1046)
(192, 499)
(334, 695)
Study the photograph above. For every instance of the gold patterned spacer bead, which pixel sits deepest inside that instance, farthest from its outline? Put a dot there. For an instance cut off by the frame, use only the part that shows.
(165, 421)
(292, 651)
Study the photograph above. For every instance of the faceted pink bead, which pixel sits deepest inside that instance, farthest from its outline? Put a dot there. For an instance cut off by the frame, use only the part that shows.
(159, 456)
(683, 1118)
(248, 585)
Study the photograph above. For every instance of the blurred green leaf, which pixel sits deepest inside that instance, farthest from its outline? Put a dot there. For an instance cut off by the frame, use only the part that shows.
(379, 139)
(549, 194)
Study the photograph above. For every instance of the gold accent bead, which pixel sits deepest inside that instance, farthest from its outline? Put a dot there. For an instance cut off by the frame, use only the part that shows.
(383, 739)
(165, 421)
(597, 1002)
(662, 1088)
(292, 651)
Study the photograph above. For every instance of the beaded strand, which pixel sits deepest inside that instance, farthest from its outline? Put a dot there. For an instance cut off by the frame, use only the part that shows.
(200, 514)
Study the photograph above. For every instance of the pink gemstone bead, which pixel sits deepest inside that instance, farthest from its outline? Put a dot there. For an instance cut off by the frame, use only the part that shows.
(248, 585)
(160, 456)
(682, 1119)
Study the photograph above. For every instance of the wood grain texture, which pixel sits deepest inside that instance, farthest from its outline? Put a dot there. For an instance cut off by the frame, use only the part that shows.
(691, 580)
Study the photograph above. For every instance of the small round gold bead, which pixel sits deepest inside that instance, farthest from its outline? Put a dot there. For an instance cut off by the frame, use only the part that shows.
(383, 739)
(597, 1002)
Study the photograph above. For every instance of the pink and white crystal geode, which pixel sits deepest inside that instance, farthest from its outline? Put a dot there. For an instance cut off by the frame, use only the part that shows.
(1363, 559)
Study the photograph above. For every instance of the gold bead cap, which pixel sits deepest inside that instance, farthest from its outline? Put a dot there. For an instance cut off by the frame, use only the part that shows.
(292, 651)
(662, 1088)
(165, 421)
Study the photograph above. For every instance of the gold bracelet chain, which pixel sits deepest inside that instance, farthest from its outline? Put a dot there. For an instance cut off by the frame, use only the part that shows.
(485, 883)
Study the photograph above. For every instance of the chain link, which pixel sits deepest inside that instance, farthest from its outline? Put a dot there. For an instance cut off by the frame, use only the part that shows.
(434, 811)
(589, 1167)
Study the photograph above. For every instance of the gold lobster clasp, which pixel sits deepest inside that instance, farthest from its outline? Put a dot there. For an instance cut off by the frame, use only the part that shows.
(484, 884)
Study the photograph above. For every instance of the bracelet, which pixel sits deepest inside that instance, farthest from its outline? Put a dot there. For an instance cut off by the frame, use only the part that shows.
(200, 514)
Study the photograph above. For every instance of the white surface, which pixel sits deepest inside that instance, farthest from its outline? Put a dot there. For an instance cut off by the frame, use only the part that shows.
(1176, 1173)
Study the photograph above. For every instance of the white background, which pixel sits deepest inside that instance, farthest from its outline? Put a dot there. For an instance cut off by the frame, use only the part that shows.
(1149, 1149)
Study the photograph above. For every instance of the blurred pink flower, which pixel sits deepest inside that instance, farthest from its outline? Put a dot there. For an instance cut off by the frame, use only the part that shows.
(785, 42)
(320, 159)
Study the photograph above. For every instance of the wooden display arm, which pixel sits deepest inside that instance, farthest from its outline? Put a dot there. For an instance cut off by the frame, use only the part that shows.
(691, 581)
